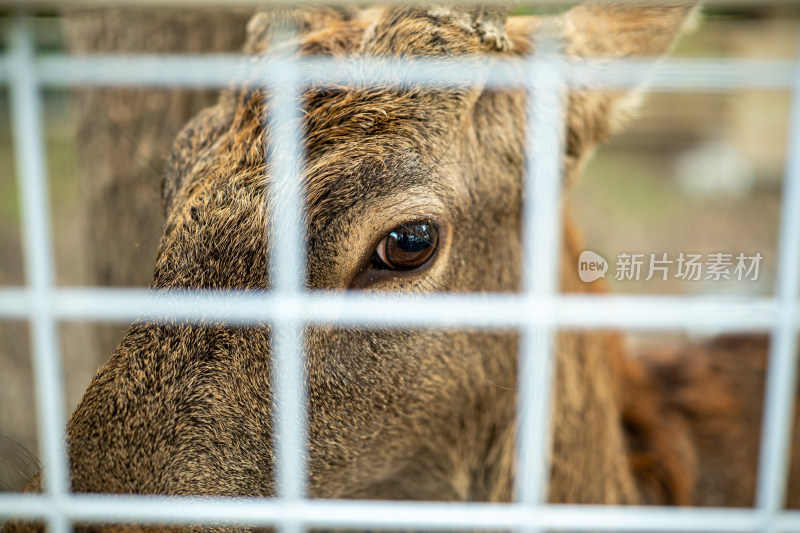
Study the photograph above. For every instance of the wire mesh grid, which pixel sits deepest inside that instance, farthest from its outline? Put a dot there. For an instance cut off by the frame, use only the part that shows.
(537, 311)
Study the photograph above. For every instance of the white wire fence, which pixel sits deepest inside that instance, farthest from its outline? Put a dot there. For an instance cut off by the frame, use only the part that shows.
(537, 312)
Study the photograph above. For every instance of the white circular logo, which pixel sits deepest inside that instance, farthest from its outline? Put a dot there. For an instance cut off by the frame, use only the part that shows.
(591, 266)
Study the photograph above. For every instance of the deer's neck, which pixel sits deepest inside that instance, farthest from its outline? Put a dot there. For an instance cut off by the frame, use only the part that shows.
(589, 460)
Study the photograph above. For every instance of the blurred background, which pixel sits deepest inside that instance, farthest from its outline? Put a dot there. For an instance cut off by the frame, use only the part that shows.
(698, 172)
(693, 173)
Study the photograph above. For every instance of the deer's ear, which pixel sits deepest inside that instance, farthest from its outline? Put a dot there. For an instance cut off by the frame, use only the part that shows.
(629, 29)
(264, 25)
(622, 30)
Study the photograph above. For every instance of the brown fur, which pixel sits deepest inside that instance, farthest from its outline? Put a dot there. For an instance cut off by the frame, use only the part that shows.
(421, 414)
(710, 397)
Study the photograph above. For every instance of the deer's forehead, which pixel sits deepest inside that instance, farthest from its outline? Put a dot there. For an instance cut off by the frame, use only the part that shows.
(336, 183)
(354, 180)
(358, 145)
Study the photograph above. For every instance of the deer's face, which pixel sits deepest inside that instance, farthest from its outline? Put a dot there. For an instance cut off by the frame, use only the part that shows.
(406, 190)
(412, 190)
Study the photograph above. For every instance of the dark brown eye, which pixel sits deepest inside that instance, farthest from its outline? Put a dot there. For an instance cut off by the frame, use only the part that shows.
(408, 246)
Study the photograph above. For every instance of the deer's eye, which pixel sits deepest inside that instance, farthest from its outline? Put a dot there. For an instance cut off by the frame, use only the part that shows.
(408, 246)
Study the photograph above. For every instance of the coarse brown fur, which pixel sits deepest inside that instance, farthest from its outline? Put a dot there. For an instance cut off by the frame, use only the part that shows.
(394, 413)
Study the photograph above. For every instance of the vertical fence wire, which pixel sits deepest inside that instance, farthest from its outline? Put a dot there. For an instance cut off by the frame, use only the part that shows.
(541, 229)
(288, 267)
(781, 384)
(30, 153)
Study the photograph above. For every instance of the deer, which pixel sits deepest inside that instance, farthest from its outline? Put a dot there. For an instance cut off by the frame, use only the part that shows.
(408, 190)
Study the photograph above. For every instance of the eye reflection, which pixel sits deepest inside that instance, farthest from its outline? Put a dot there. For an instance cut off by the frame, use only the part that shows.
(408, 246)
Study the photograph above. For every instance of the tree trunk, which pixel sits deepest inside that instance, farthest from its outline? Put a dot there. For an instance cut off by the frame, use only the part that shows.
(123, 137)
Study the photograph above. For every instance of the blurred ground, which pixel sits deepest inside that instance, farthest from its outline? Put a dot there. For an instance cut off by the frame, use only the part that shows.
(649, 191)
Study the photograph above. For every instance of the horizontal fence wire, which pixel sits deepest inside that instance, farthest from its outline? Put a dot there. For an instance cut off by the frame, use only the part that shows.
(717, 75)
(541, 310)
(496, 311)
(388, 515)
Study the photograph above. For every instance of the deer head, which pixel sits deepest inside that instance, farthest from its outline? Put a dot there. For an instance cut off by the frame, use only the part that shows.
(407, 189)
